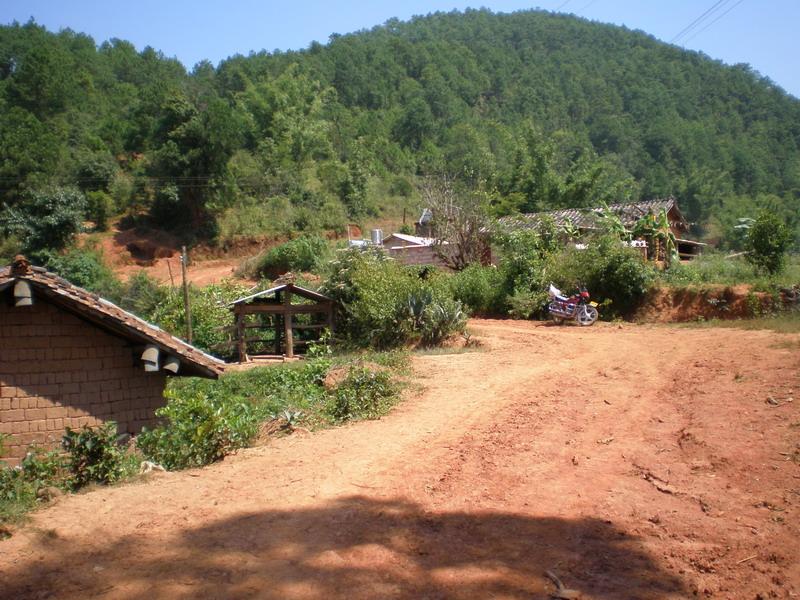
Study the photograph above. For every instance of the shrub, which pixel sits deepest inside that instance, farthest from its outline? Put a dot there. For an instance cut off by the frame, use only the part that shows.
(94, 455)
(199, 429)
(385, 304)
(99, 207)
(767, 242)
(143, 295)
(211, 317)
(363, 394)
(46, 219)
(306, 253)
(481, 289)
(614, 274)
(205, 420)
(19, 486)
(86, 268)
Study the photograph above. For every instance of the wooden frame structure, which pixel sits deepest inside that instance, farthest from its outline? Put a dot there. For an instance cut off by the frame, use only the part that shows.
(275, 304)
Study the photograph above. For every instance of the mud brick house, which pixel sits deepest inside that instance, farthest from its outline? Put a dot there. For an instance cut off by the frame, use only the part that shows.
(69, 358)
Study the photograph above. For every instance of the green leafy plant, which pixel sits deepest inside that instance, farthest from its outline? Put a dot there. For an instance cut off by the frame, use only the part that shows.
(363, 394)
(45, 219)
(93, 455)
(198, 429)
(767, 241)
(304, 254)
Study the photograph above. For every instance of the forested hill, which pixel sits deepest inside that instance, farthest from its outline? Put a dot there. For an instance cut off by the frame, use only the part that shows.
(535, 109)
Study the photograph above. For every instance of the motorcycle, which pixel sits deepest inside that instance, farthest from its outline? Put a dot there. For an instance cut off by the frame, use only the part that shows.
(577, 307)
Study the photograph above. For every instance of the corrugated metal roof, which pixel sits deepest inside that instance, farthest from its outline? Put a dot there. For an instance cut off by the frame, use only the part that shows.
(294, 289)
(414, 240)
(111, 317)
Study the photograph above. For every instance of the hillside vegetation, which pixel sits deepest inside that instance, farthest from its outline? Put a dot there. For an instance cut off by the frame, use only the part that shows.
(535, 110)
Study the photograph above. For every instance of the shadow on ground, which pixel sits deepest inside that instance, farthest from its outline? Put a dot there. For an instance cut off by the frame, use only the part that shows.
(354, 547)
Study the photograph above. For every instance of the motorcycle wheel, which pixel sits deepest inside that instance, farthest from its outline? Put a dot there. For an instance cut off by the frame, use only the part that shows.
(557, 320)
(587, 315)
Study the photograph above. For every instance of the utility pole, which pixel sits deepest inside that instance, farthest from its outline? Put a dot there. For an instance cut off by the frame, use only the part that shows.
(186, 306)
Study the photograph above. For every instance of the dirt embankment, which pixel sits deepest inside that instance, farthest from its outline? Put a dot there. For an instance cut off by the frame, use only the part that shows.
(680, 305)
(633, 462)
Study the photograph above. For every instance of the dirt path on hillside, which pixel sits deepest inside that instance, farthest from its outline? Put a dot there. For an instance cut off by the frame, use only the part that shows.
(633, 462)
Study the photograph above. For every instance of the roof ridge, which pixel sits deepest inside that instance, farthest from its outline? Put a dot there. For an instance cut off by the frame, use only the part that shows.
(93, 302)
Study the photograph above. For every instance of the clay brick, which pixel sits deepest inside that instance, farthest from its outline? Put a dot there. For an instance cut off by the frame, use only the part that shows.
(56, 412)
(20, 427)
(10, 416)
(32, 414)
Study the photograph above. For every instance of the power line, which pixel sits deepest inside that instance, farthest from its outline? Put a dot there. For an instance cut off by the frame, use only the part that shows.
(698, 20)
(562, 5)
(714, 21)
(587, 5)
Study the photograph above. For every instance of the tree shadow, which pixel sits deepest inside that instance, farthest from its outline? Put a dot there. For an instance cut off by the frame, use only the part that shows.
(355, 547)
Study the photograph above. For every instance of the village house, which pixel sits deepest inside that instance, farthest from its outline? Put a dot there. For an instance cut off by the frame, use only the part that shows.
(585, 220)
(413, 249)
(69, 358)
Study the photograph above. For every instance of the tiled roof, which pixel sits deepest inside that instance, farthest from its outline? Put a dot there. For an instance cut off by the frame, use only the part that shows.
(586, 218)
(110, 317)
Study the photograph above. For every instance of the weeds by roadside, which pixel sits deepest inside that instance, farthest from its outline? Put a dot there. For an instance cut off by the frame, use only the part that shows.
(204, 420)
(787, 322)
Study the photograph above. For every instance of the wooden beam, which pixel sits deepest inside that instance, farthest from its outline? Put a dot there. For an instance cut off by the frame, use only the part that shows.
(295, 309)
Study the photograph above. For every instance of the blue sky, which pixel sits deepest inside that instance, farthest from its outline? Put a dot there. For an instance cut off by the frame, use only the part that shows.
(759, 32)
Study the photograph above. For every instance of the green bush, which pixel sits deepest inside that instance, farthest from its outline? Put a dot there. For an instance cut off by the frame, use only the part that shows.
(199, 429)
(304, 254)
(99, 207)
(384, 304)
(768, 239)
(46, 219)
(204, 420)
(86, 268)
(480, 289)
(363, 394)
(211, 317)
(94, 455)
(19, 486)
(615, 275)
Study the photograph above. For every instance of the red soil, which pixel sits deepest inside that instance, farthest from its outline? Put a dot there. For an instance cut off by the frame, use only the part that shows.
(633, 461)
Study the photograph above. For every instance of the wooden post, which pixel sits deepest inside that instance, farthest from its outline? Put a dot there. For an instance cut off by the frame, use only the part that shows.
(240, 331)
(287, 323)
(186, 306)
(330, 320)
(276, 321)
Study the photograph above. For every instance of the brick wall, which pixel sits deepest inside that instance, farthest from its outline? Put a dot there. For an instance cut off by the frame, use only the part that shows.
(59, 371)
(416, 255)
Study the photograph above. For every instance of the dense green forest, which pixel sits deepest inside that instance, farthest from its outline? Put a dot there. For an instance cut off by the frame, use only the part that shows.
(535, 110)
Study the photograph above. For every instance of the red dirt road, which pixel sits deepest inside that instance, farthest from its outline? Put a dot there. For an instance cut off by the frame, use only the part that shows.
(641, 462)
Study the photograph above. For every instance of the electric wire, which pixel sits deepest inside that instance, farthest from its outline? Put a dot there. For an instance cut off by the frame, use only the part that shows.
(718, 4)
(562, 5)
(712, 22)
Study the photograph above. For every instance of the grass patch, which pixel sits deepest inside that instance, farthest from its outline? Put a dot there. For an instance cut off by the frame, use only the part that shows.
(205, 419)
(714, 268)
(788, 322)
(442, 351)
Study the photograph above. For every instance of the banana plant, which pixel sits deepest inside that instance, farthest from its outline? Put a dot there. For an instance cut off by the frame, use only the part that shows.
(612, 223)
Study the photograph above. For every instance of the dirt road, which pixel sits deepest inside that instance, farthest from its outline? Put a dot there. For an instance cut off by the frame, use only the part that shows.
(633, 462)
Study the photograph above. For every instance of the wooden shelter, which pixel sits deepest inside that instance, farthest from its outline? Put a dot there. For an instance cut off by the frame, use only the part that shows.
(280, 319)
